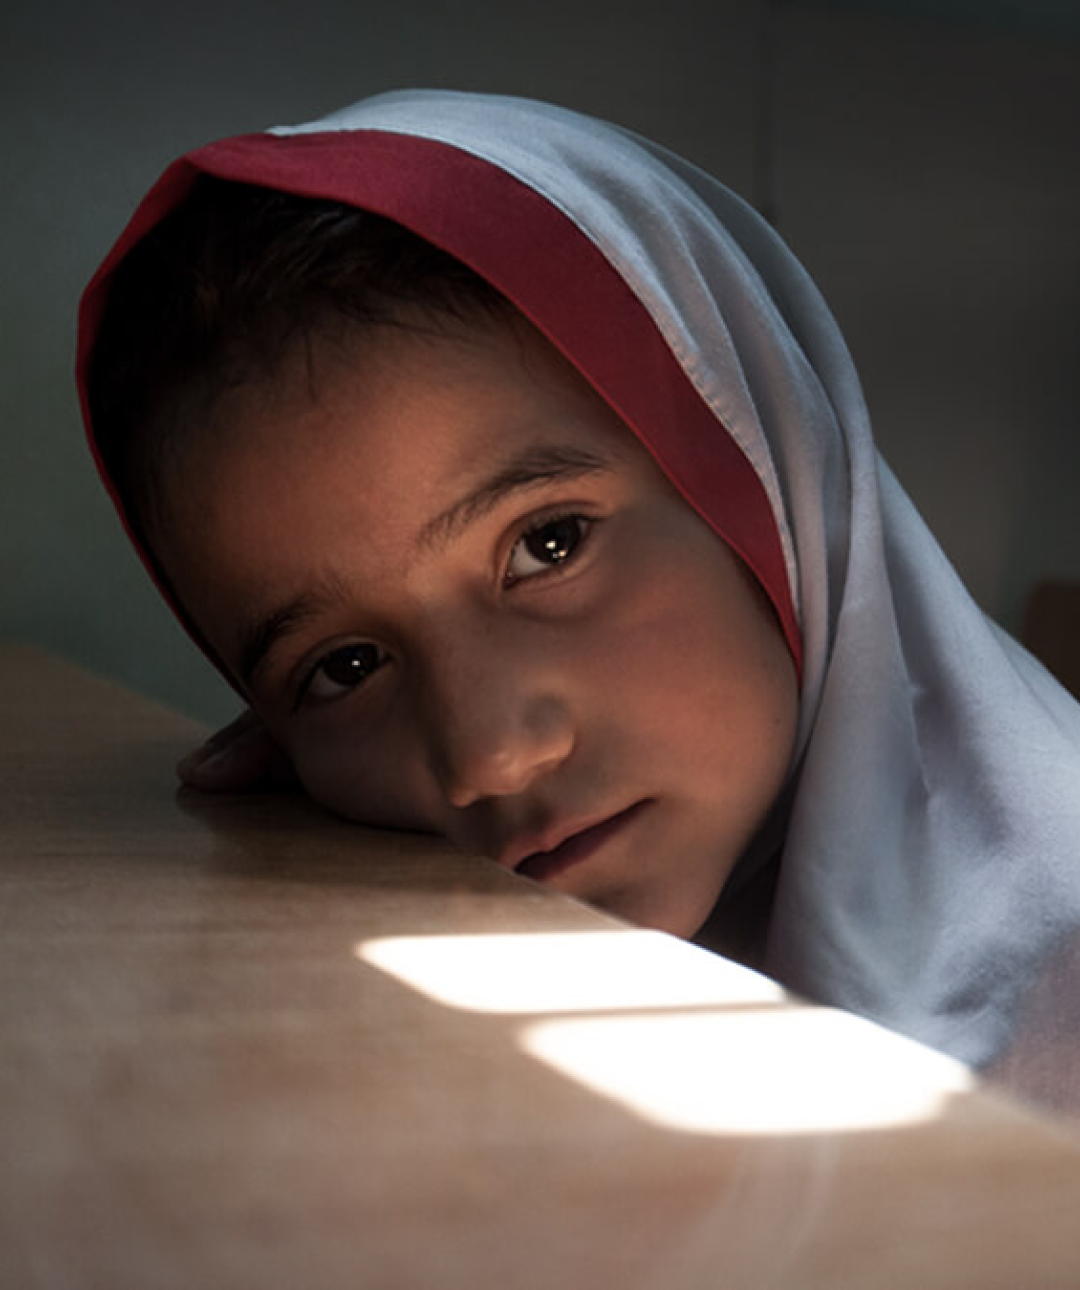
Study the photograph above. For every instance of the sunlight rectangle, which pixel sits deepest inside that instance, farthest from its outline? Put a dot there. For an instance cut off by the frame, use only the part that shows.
(773, 1070)
(548, 972)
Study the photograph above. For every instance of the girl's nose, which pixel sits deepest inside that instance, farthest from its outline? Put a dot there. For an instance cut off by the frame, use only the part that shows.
(496, 730)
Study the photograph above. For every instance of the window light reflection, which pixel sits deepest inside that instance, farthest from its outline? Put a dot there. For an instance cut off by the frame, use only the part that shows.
(787, 1070)
(535, 972)
(678, 1036)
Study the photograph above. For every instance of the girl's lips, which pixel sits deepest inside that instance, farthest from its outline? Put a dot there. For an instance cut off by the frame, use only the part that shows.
(543, 865)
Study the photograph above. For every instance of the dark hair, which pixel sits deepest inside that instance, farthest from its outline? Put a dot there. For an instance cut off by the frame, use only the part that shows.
(218, 293)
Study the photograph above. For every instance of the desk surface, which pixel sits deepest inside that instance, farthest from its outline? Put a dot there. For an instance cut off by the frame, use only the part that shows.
(246, 1045)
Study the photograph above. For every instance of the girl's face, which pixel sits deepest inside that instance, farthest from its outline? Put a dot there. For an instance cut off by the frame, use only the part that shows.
(465, 600)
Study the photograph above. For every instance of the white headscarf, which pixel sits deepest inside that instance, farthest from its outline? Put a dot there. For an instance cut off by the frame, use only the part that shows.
(930, 871)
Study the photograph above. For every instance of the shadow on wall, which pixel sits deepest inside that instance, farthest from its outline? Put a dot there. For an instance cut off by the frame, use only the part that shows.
(1051, 630)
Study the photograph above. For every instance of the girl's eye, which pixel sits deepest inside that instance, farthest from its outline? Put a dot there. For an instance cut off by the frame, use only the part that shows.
(545, 545)
(342, 670)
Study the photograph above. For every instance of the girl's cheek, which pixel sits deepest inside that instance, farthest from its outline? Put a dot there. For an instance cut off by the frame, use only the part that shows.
(378, 787)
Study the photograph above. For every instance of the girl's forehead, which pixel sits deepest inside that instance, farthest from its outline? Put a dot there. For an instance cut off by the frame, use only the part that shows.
(401, 426)
(427, 392)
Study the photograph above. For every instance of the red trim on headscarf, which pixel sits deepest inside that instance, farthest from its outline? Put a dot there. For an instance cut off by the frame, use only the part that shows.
(540, 260)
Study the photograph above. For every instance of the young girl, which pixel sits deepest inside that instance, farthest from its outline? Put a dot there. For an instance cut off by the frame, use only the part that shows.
(519, 479)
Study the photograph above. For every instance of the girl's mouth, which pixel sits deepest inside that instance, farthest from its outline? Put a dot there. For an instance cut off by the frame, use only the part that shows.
(544, 865)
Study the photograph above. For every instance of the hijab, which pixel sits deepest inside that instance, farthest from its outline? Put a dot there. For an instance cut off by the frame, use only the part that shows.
(928, 871)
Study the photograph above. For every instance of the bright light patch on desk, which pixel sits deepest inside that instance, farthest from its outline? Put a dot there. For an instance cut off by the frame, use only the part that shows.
(712, 1047)
(536, 972)
(776, 1070)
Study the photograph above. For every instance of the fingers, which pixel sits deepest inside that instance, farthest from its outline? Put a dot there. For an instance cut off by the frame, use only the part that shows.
(240, 756)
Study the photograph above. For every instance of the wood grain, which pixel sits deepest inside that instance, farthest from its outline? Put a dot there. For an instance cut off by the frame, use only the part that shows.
(203, 1085)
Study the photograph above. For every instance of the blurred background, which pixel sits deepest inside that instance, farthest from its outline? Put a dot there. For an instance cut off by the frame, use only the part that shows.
(921, 156)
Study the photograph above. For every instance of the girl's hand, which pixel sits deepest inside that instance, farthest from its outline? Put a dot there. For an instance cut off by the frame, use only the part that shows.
(240, 756)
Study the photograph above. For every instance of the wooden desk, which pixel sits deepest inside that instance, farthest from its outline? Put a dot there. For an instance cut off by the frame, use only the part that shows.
(222, 1066)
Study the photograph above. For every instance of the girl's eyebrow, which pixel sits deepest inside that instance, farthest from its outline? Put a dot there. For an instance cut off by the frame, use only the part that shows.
(532, 466)
(261, 632)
